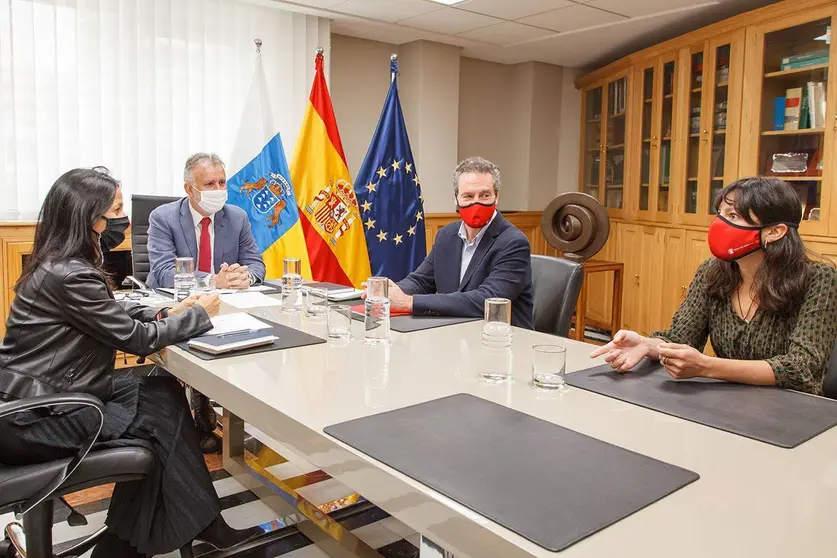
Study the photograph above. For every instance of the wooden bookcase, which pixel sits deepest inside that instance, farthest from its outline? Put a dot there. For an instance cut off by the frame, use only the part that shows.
(698, 116)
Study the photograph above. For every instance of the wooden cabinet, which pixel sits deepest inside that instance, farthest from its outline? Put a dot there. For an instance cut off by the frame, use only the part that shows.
(700, 114)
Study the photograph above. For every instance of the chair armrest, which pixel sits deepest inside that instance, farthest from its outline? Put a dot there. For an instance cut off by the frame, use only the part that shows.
(50, 400)
(55, 400)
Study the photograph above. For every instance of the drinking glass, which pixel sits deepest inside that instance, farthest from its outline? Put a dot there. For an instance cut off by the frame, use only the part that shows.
(184, 278)
(339, 322)
(316, 302)
(292, 286)
(205, 283)
(376, 311)
(549, 365)
(496, 328)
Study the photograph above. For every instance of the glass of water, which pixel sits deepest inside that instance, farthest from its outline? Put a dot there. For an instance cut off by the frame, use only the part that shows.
(496, 328)
(292, 286)
(184, 278)
(376, 311)
(205, 284)
(549, 365)
(339, 322)
(316, 302)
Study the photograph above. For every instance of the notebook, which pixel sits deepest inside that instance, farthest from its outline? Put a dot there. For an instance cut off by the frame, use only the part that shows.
(231, 341)
(336, 293)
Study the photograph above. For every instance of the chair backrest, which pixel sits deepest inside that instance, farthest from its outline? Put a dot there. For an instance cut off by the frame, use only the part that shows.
(141, 208)
(829, 384)
(556, 283)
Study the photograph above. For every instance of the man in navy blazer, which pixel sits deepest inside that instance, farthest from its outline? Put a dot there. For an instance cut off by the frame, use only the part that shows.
(202, 225)
(483, 256)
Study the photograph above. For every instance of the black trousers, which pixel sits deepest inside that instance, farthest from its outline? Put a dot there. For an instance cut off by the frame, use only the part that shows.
(168, 508)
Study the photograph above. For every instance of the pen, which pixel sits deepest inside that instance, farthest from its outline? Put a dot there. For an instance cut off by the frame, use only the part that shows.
(227, 334)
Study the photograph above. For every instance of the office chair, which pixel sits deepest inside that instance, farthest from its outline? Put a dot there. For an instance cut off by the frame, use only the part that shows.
(556, 283)
(141, 208)
(32, 490)
(829, 384)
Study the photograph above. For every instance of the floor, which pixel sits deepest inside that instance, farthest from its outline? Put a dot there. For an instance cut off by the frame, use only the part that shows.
(241, 508)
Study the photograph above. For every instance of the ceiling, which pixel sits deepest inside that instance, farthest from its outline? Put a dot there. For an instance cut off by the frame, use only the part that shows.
(575, 33)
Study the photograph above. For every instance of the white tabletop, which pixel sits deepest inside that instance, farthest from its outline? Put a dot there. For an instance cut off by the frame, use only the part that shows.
(752, 499)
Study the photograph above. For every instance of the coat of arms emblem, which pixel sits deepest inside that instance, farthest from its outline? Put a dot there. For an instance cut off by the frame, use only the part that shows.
(269, 197)
(334, 209)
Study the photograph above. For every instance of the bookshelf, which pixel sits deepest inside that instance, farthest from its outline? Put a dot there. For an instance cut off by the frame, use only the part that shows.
(790, 113)
(700, 114)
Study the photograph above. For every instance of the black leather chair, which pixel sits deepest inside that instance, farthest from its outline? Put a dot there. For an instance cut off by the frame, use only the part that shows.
(32, 490)
(141, 208)
(829, 384)
(556, 283)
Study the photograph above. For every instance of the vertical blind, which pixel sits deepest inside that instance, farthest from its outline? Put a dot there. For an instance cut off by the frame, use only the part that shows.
(138, 85)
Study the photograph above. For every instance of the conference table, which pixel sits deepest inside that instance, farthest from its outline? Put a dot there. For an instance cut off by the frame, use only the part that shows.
(752, 499)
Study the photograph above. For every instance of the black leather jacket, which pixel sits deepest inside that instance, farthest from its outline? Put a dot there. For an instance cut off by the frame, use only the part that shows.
(65, 326)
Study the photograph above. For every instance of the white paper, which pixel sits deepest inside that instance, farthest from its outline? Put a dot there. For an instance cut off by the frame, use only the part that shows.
(250, 300)
(253, 289)
(235, 322)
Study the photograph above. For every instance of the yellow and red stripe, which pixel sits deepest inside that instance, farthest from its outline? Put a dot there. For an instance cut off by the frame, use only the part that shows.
(328, 207)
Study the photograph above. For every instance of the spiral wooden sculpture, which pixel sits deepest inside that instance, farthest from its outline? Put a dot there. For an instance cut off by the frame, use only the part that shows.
(576, 224)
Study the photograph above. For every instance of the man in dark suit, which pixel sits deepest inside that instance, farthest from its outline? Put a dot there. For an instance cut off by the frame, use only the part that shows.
(218, 236)
(202, 225)
(483, 256)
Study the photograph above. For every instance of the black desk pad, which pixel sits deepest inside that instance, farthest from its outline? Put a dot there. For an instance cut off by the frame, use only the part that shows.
(409, 324)
(551, 485)
(289, 338)
(775, 416)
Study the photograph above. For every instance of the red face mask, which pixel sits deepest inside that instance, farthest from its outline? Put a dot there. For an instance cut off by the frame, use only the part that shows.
(476, 215)
(728, 241)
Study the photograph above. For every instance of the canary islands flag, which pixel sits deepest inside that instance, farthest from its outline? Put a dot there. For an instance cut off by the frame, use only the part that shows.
(328, 206)
(261, 184)
(389, 193)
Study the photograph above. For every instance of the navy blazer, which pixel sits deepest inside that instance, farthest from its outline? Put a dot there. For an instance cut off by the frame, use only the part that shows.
(171, 234)
(501, 267)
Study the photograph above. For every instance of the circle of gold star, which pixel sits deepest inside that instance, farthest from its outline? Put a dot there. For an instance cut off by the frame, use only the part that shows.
(372, 187)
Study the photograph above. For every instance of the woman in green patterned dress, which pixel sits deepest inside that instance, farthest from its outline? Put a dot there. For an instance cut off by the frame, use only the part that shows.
(770, 311)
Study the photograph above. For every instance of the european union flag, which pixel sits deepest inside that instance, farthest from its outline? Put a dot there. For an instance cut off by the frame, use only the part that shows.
(389, 194)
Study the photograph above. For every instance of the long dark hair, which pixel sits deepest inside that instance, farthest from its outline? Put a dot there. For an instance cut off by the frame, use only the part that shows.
(65, 226)
(782, 278)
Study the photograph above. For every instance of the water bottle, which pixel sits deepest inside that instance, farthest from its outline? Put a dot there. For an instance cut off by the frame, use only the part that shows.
(376, 311)
(184, 278)
(292, 286)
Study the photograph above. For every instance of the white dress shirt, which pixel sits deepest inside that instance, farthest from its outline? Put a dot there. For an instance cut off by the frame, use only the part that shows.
(469, 248)
(197, 218)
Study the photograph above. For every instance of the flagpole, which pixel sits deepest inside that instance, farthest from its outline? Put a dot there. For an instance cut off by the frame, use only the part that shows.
(393, 67)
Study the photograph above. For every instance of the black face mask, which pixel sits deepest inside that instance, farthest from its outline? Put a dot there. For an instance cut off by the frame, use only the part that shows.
(114, 233)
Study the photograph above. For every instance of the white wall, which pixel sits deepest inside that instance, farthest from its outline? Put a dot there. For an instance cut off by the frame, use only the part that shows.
(524, 117)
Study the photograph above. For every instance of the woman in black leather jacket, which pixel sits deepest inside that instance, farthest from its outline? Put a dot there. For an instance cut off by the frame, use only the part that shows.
(61, 336)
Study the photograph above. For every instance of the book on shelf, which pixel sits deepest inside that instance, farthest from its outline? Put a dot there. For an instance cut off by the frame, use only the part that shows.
(804, 64)
(793, 104)
(804, 110)
(806, 57)
(779, 113)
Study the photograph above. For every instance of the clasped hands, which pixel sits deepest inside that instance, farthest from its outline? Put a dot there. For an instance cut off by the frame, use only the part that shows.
(628, 348)
(233, 276)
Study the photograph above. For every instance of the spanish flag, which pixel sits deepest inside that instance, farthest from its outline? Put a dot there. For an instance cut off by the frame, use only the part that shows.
(328, 207)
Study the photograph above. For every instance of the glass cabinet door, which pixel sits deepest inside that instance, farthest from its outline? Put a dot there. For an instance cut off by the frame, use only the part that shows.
(593, 146)
(668, 91)
(648, 136)
(711, 152)
(614, 154)
(794, 114)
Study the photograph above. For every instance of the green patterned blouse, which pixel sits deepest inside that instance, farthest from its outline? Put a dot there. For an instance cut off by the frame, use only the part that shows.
(797, 346)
